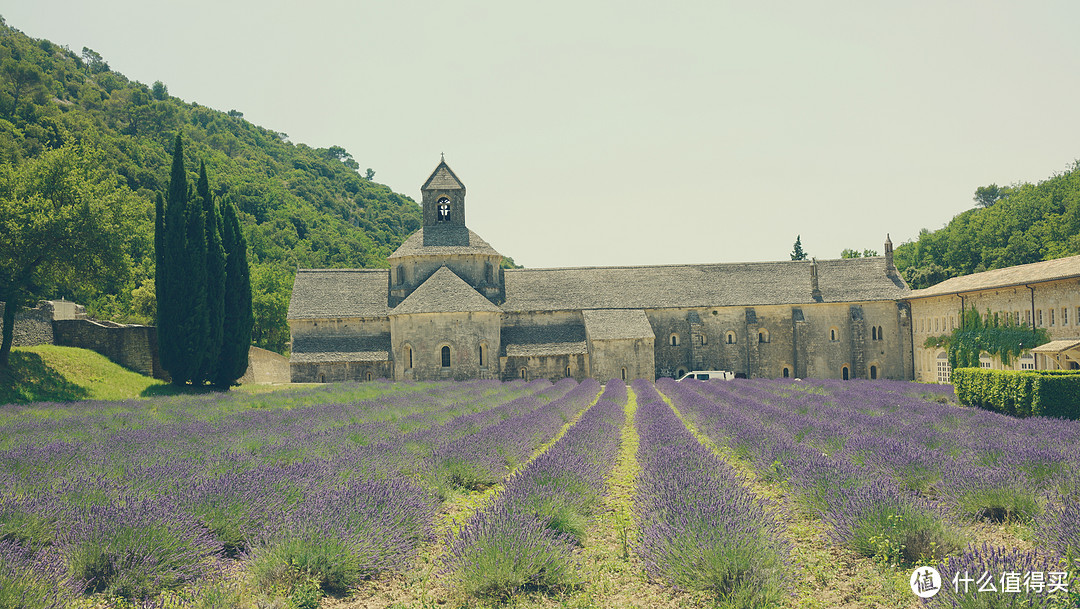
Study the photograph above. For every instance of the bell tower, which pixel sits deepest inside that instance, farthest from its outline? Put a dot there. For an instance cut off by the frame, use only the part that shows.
(443, 198)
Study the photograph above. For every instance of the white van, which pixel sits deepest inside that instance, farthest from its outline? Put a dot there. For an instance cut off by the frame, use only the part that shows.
(704, 375)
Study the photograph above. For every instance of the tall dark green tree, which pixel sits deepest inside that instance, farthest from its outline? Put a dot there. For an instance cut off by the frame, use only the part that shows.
(798, 253)
(169, 284)
(215, 277)
(238, 319)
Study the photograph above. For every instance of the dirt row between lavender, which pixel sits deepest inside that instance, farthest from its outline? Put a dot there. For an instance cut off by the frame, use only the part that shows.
(610, 574)
(832, 576)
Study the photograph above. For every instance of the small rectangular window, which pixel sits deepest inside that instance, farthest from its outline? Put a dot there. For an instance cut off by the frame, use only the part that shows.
(1051, 317)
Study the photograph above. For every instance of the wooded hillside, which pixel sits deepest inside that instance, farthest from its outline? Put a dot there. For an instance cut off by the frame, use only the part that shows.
(1011, 225)
(299, 206)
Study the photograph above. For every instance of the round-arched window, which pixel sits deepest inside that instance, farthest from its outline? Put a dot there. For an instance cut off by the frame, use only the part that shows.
(443, 207)
(446, 357)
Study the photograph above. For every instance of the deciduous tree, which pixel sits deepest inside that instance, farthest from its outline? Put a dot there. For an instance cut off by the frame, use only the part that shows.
(65, 222)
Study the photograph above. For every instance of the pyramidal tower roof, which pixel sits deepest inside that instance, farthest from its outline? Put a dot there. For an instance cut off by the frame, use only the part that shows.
(443, 178)
(444, 292)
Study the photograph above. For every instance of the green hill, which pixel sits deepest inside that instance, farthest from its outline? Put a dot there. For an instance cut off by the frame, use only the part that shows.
(300, 206)
(63, 374)
(1016, 225)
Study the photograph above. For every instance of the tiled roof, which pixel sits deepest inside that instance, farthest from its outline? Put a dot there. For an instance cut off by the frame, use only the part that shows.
(443, 178)
(443, 241)
(339, 293)
(308, 348)
(1058, 346)
(611, 324)
(444, 292)
(699, 285)
(566, 339)
(1048, 270)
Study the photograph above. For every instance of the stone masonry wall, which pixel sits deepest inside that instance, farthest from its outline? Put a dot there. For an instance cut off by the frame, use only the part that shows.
(1056, 308)
(134, 347)
(464, 333)
(32, 326)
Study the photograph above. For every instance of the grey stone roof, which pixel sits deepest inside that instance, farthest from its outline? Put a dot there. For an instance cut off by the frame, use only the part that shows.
(524, 341)
(335, 293)
(1047, 270)
(699, 285)
(310, 348)
(443, 178)
(444, 292)
(611, 324)
(443, 240)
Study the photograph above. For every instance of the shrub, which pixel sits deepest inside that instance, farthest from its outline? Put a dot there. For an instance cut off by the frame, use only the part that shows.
(136, 548)
(978, 560)
(892, 527)
(1051, 393)
(501, 551)
(32, 581)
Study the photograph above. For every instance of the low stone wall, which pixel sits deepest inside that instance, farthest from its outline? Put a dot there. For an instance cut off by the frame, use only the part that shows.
(32, 326)
(266, 367)
(134, 347)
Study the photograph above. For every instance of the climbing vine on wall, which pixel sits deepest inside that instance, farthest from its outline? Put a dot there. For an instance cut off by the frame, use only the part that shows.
(989, 334)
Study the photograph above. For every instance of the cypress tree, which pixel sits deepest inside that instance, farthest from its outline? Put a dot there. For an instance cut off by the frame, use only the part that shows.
(193, 325)
(238, 319)
(169, 285)
(215, 278)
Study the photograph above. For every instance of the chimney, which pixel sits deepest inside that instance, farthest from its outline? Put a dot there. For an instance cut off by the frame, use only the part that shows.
(815, 291)
(890, 267)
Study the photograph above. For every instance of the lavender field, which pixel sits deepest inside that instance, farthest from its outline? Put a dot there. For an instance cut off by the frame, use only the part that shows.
(752, 493)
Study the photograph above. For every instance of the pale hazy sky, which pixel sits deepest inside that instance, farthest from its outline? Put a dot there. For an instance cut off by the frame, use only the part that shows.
(604, 133)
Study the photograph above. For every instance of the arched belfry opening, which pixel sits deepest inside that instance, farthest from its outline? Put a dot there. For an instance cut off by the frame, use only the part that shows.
(443, 198)
(442, 210)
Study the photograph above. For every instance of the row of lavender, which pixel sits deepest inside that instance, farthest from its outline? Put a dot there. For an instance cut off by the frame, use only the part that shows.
(527, 535)
(892, 472)
(980, 464)
(701, 526)
(336, 489)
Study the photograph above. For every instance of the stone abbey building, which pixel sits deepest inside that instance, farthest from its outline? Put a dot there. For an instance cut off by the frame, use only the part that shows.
(445, 309)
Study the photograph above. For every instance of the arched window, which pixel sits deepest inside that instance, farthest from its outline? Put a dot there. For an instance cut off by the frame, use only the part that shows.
(787, 372)
(763, 336)
(368, 376)
(880, 333)
(730, 337)
(834, 334)
(845, 373)
(568, 372)
(704, 340)
(1027, 362)
(873, 333)
(408, 357)
(944, 370)
(524, 373)
(624, 373)
(444, 209)
(322, 378)
(446, 357)
(483, 354)
(873, 372)
(674, 340)
(678, 374)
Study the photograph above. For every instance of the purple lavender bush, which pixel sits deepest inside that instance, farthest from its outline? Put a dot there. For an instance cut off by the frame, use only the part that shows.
(526, 537)
(135, 547)
(33, 580)
(344, 535)
(701, 527)
(986, 577)
(500, 551)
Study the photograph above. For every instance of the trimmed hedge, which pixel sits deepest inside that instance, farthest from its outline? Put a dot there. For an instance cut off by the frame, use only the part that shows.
(1021, 393)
